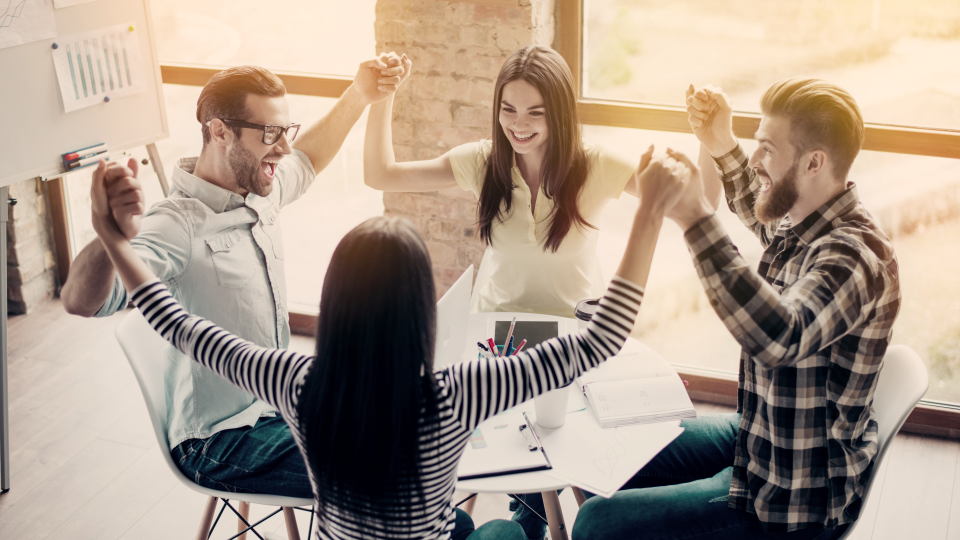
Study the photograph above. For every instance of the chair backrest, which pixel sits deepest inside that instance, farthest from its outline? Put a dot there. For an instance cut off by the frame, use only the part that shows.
(146, 352)
(902, 382)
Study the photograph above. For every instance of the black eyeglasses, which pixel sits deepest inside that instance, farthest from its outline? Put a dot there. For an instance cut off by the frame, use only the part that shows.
(271, 133)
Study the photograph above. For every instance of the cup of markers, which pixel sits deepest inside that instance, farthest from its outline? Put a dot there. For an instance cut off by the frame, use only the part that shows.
(491, 349)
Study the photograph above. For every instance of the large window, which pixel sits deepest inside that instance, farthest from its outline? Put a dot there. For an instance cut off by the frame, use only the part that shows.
(304, 36)
(636, 58)
(893, 55)
(286, 35)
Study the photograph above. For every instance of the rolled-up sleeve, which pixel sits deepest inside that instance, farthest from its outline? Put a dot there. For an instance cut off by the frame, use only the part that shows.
(838, 285)
(164, 244)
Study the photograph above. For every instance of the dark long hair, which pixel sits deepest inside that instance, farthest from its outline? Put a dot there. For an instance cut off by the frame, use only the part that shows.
(372, 377)
(564, 169)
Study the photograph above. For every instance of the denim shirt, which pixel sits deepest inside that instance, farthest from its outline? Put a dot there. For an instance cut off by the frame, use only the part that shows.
(221, 256)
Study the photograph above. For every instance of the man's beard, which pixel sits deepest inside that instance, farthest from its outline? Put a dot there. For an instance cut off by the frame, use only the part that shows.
(779, 199)
(246, 169)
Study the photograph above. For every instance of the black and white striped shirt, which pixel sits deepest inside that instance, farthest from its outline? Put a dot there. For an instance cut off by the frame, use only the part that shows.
(468, 393)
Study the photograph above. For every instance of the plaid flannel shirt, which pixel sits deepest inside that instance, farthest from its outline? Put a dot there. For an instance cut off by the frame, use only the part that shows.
(814, 321)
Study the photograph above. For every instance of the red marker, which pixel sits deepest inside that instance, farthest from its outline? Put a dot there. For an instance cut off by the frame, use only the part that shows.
(522, 343)
(85, 152)
(493, 347)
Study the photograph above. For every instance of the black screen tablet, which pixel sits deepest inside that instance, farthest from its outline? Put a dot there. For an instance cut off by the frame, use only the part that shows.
(535, 332)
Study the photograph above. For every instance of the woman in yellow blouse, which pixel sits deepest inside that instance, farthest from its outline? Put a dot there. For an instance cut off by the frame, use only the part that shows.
(541, 189)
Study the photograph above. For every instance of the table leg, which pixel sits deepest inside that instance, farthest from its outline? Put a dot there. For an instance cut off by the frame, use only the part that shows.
(578, 495)
(470, 504)
(551, 502)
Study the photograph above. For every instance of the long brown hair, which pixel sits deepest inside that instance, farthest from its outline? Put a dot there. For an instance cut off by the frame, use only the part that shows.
(371, 383)
(563, 172)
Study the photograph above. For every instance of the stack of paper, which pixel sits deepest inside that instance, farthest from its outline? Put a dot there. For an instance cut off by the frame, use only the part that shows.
(625, 391)
(639, 401)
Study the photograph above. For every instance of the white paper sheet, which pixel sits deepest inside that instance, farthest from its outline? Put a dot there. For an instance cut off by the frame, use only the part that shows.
(67, 3)
(98, 66)
(24, 21)
(497, 446)
(602, 460)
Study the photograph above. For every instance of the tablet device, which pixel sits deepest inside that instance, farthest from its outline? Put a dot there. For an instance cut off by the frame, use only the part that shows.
(535, 332)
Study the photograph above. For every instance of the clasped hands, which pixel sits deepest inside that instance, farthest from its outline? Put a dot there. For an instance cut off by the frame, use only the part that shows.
(117, 201)
(670, 186)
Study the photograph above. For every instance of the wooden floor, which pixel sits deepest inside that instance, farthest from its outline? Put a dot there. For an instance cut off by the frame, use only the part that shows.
(85, 464)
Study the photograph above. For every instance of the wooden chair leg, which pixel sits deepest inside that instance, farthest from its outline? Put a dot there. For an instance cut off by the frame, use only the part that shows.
(551, 503)
(468, 506)
(244, 511)
(204, 531)
(293, 533)
(578, 495)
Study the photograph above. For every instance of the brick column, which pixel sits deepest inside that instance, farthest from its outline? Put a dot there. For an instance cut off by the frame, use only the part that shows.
(31, 262)
(457, 49)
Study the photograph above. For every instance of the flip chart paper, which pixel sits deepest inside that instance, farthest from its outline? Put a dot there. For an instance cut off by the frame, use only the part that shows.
(24, 21)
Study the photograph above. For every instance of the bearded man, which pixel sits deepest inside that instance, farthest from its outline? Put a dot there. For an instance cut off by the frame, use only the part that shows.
(814, 321)
(215, 242)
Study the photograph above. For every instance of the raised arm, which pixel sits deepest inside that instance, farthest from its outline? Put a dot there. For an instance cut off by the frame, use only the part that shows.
(374, 82)
(711, 118)
(265, 373)
(483, 388)
(380, 168)
(92, 275)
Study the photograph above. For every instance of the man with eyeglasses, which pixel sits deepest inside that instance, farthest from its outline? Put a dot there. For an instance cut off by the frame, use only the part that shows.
(215, 242)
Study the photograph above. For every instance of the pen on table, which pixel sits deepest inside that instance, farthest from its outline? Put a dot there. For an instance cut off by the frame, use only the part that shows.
(493, 347)
(482, 346)
(509, 348)
(531, 441)
(509, 334)
(522, 343)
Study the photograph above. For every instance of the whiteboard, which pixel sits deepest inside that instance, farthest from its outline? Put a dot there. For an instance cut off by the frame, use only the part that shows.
(34, 130)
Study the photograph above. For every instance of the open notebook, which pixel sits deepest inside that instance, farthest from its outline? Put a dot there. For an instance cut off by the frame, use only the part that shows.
(625, 390)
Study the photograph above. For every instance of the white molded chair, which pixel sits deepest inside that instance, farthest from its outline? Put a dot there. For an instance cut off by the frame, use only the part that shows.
(145, 352)
(903, 381)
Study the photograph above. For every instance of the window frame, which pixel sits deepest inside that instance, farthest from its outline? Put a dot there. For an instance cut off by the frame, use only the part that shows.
(929, 418)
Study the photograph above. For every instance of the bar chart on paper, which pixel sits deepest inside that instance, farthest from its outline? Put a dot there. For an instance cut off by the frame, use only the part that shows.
(98, 66)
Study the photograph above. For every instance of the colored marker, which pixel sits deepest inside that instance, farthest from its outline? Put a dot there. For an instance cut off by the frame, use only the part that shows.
(482, 346)
(509, 333)
(85, 152)
(509, 348)
(522, 343)
(493, 346)
(91, 161)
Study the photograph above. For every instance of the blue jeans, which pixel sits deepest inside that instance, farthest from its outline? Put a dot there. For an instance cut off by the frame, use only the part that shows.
(682, 493)
(258, 459)
(492, 530)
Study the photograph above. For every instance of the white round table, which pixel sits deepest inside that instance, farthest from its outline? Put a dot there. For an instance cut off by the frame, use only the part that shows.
(481, 327)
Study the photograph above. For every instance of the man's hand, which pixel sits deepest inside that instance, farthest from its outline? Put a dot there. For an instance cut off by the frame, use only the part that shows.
(379, 78)
(711, 117)
(691, 205)
(660, 182)
(117, 201)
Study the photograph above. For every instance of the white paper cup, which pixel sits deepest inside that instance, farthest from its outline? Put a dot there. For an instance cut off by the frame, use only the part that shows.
(584, 312)
(551, 408)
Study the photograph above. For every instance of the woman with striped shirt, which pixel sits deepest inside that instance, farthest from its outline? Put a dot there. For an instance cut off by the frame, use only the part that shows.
(380, 431)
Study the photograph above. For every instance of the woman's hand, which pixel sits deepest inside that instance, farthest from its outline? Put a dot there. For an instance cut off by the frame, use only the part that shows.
(662, 181)
(117, 201)
(378, 79)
